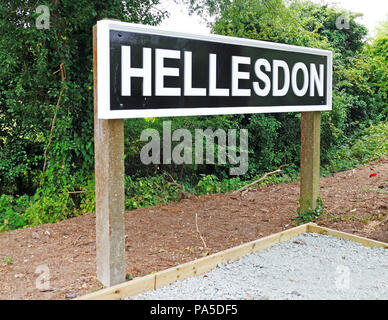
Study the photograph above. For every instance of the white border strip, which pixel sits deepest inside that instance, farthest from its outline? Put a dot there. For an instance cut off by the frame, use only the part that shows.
(103, 76)
(103, 70)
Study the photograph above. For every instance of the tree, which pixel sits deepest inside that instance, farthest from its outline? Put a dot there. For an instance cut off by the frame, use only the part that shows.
(46, 97)
(359, 75)
(378, 52)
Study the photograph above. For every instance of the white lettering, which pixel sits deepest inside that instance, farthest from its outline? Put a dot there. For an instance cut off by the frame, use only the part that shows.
(161, 71)
(276, 64)
(188, 89)
(213, 90)
(263, 77)
(127, 71)
(294, 75)
(315, 80)
(237, 75)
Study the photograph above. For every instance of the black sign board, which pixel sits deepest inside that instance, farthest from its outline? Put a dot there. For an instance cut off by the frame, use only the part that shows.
(144, 71)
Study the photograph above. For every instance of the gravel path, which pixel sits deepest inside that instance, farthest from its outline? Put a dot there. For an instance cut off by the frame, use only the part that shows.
(310, 266)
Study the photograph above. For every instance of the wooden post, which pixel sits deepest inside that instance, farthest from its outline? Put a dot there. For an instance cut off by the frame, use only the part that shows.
(109, 188)
(310, 159)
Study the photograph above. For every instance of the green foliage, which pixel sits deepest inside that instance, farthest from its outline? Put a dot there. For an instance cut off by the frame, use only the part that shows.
(150, 191)
(143, 192)
(46, 105)
(60, 195)
(371, 144)
(87, 198)
(377, 51)
(133, 145)
(12, 212)
(46, 80)
(360, 73)
(305, 216)
(230, 184)
(208, 184)
(48, 209)
(268, 20)
(8, 260)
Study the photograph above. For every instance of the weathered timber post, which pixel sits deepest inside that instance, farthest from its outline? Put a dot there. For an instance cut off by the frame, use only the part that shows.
(310, 159)
(109, 192)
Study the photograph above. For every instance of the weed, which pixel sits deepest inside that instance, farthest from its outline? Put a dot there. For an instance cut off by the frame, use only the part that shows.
(98, 288)
(309, 214)
(129, 277)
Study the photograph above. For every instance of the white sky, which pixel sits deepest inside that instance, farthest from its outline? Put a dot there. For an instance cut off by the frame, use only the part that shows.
(180, 20)
(374, 11)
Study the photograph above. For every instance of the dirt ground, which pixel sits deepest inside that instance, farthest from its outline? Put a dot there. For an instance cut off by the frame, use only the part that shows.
(167, 235)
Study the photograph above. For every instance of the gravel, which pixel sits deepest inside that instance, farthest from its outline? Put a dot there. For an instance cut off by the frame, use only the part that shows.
(310, 266)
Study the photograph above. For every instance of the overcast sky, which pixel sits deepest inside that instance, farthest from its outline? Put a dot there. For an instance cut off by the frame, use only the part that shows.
(373, 10)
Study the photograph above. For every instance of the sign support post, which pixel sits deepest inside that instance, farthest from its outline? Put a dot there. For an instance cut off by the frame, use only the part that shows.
(109, 192)
(310, 159)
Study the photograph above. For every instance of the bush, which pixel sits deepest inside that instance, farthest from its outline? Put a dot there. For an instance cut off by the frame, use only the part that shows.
(143, 192)
(48, 208)
(12, 212)
(371, 144)
(46, 82)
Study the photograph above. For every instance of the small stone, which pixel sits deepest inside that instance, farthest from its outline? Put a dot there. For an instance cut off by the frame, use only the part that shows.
(35, 235)
(71, 296)
(248, 297)
(296, 293)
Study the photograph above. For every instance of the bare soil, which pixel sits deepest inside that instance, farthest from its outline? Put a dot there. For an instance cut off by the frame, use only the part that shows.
(167, 235)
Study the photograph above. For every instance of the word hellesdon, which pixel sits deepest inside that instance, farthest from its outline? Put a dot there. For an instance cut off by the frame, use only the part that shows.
(312, 79)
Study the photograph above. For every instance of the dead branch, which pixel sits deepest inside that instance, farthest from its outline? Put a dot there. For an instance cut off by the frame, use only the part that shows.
(180, 186)
(199, 233)
(259, 180)
(63, 77)
(79, 237)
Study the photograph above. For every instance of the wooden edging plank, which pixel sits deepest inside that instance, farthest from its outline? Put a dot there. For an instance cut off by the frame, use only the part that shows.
(314, 228)
(122, 290)
(205, 264)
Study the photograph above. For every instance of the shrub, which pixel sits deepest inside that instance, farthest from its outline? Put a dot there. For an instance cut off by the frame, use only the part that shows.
(371, 144)
(12, 212)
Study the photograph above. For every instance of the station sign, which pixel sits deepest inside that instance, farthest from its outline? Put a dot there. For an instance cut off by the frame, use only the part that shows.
(144, 71)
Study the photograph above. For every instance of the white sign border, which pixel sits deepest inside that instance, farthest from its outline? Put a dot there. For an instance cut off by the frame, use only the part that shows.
(103, 74)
